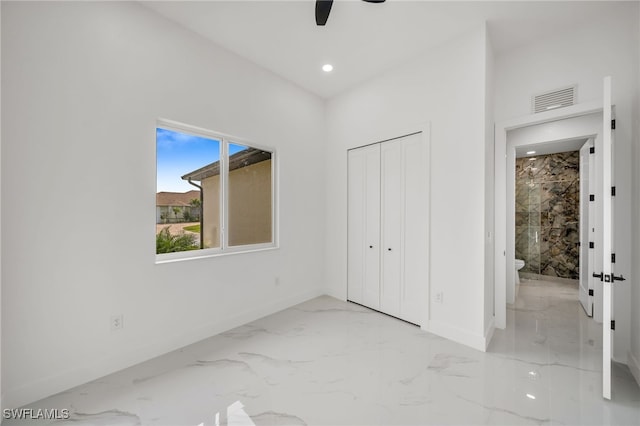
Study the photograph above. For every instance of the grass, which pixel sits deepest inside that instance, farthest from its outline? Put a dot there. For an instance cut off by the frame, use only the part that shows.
(192, 228)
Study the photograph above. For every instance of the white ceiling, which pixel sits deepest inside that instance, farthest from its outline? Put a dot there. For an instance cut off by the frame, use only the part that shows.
(547, 148)
(362, 39)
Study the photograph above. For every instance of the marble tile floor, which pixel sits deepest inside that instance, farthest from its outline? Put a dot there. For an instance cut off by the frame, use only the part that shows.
(327, 362)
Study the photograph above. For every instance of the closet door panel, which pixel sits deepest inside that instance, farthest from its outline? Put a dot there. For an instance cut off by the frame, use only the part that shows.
(364, 226)
(372, 233)
(392, 224)
(355, 226)
(415, 228)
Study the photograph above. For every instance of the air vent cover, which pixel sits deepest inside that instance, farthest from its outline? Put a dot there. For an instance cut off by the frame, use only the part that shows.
(555, 99)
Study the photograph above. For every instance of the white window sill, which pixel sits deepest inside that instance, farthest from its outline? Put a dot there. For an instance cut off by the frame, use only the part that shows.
(208, 253)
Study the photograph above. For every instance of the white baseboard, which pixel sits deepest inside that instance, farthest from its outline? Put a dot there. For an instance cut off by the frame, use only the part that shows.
(634, 366)
(36, 390)
(475, 341)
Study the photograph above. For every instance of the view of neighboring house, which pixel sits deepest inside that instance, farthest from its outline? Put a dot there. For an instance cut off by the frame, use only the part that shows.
(177, 206)
(249, 198)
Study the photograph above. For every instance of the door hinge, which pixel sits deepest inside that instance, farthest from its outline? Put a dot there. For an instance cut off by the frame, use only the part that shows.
(613, 258)
(613, 124)
(613, 324)
(613, 191)
(590, 292)
(592, 150)
(592, 197)
(591, 244)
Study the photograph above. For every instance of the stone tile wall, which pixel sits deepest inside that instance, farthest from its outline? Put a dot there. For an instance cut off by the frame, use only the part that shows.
(548, 205)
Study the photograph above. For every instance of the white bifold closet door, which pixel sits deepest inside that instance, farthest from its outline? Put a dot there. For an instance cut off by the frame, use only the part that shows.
(388, 225)
(364, 226)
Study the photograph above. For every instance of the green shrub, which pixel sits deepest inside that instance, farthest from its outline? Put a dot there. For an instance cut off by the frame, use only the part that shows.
(168, 243)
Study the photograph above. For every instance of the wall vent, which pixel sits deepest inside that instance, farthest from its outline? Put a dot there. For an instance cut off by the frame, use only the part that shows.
(559, 98)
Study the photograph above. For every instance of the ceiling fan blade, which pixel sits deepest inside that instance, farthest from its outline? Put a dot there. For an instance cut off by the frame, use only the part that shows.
(323, 7)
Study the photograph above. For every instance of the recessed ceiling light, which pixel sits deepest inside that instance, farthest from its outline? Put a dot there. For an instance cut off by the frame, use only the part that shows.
(530, 152)
(327, 68)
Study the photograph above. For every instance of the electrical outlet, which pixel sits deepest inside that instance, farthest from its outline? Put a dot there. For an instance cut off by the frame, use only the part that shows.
(117, 322)
(440, 297)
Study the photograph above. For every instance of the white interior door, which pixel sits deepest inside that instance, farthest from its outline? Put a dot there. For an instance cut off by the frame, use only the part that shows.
(586, 269)
(404, 227)
(607, 232)
(363, 280)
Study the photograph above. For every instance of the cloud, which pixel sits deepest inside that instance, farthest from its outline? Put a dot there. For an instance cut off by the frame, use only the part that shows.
(168, 139)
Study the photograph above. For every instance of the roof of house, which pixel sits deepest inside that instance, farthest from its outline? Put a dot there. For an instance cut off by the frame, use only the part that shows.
(177, 199)
(240, 159)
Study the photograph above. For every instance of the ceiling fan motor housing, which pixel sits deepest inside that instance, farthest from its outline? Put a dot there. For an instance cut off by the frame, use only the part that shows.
(323, 8)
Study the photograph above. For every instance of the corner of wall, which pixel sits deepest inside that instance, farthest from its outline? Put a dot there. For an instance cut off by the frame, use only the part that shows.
(326, 288)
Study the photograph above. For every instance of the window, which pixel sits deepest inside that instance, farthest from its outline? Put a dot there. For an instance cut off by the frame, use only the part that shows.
(214, 193)
(249, 200)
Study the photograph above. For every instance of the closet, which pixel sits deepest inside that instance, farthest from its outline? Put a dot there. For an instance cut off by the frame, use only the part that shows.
(388, 247)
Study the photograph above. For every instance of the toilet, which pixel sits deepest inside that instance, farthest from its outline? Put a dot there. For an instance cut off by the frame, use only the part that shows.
(519, 265)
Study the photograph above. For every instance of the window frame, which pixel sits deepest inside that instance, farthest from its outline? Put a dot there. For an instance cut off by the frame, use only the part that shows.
(225, 140)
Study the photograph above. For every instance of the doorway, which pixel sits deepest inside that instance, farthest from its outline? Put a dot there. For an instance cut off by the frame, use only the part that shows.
(561, 124)
(504, 253)
(548, 212)
(551, 214)
(549, 233)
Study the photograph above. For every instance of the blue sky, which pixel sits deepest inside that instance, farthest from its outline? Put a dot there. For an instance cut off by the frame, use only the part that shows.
(179, 153)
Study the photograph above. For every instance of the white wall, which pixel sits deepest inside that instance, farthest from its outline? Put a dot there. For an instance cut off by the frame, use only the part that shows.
(445, 86)
(584, 56)
(634, 353)
(82, 86)
(1, 388)
(489, 188)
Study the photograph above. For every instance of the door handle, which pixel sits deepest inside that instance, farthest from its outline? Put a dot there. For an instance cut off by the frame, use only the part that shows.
(608, 278)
